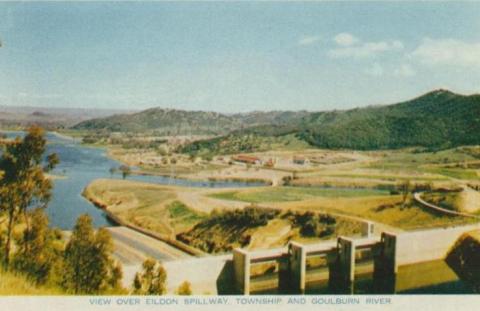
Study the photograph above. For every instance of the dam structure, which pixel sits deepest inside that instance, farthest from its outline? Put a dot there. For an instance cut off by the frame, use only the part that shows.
(338, 263)
(300, 268)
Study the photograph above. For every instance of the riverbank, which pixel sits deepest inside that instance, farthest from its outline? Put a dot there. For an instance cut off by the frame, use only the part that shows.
(142, 207)
(64, 136)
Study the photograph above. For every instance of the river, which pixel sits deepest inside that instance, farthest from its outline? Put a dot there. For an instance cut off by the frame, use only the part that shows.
(79, 165)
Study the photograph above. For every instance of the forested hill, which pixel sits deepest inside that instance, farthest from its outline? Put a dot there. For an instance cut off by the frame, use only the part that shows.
(164, 121)
(439, 119)
(181, 122)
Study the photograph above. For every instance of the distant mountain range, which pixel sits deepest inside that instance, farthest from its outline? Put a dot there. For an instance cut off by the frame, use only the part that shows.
(438, 119)
(181, 122)
(49, 118)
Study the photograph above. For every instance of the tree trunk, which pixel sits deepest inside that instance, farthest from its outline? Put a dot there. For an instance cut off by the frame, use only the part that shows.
(27, 231)
(9, 236)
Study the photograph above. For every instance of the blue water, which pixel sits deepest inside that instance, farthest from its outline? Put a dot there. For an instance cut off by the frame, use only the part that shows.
(81, 165)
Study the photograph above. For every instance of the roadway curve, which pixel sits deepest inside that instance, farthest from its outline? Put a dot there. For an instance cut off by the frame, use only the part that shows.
(418, 197)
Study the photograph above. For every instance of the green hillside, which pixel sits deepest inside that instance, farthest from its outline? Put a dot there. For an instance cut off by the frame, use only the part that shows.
(438, 120)
(164, 122)
(181, 122)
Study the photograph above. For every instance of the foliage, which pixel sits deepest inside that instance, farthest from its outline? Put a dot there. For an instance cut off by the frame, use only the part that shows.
(24, 184)
(89, 268)
(314, 225)
(235, 223)
(437, 120)
(125, 170)
(40, 254)
(112, 170)
(151, 281)
(242, 142)
(185, 289)
(170, 122)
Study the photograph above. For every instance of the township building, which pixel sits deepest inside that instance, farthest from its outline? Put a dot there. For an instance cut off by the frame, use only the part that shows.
(246, 159)
(301, 160)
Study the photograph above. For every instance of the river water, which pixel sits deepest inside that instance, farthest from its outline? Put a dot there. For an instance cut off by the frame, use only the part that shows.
(80, 165)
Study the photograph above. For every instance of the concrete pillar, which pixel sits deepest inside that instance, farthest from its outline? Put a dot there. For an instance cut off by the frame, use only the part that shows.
(367, 229)
(386, 265)
(241, 266)
(298, 266)
(389, 254)
(346, 256)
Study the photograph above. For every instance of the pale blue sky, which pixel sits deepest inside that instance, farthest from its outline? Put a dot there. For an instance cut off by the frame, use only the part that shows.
(231, 57)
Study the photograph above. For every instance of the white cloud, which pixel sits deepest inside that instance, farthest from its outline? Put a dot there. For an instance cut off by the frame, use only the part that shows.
(308, 40)
(366, 49)
(447, 52)
(345, 39)
(404, 70)
(376, 70)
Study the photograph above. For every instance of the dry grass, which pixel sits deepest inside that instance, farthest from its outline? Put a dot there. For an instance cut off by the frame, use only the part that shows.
(150, 206)
(384, 209)
(12, 284)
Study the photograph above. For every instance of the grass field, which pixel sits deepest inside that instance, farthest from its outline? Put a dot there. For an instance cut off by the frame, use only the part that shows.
(150, 206)
(14, 284)
(182, 217)
(387, 210)
(289, 194)
(457, 173)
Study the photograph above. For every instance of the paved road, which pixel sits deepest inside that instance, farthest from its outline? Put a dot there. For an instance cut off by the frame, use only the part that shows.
(132, 247)
(418, 197)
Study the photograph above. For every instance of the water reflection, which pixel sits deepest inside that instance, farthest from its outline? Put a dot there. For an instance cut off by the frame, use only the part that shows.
(433, 277)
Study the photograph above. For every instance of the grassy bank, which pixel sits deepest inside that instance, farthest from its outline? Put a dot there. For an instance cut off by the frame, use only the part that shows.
(290, 194)
(153, 207)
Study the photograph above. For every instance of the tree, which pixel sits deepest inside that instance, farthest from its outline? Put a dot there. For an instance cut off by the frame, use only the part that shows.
(40, 255)
(89, 267)
(112, 171)
(125, 170)
(24, 184)
(405, 189)
(184, 289)
(151, 281)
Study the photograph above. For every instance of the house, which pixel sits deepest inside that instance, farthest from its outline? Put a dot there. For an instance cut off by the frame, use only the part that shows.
(300, 160)
(270, 163)
(247, 159)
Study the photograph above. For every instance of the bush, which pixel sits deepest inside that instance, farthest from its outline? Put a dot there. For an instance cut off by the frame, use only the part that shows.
(40, 253)
(89, 267)
(184, 289)
(152, 280)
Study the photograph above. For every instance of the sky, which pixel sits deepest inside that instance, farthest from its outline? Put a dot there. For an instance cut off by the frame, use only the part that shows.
(237, 56)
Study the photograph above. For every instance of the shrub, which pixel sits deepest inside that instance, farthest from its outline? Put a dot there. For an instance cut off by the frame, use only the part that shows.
(184, 289)
(152, 280)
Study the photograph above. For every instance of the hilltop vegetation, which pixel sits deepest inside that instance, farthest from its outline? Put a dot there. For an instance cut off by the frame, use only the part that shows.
(439, 119)
(180, 122)
(436, 120)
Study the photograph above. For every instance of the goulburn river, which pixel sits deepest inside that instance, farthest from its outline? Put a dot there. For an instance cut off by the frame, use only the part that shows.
(80, 165)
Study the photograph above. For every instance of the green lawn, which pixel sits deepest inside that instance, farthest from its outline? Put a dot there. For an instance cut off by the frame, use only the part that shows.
(183, 216)
(388, 177)
(455, 173)
(289, 194)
